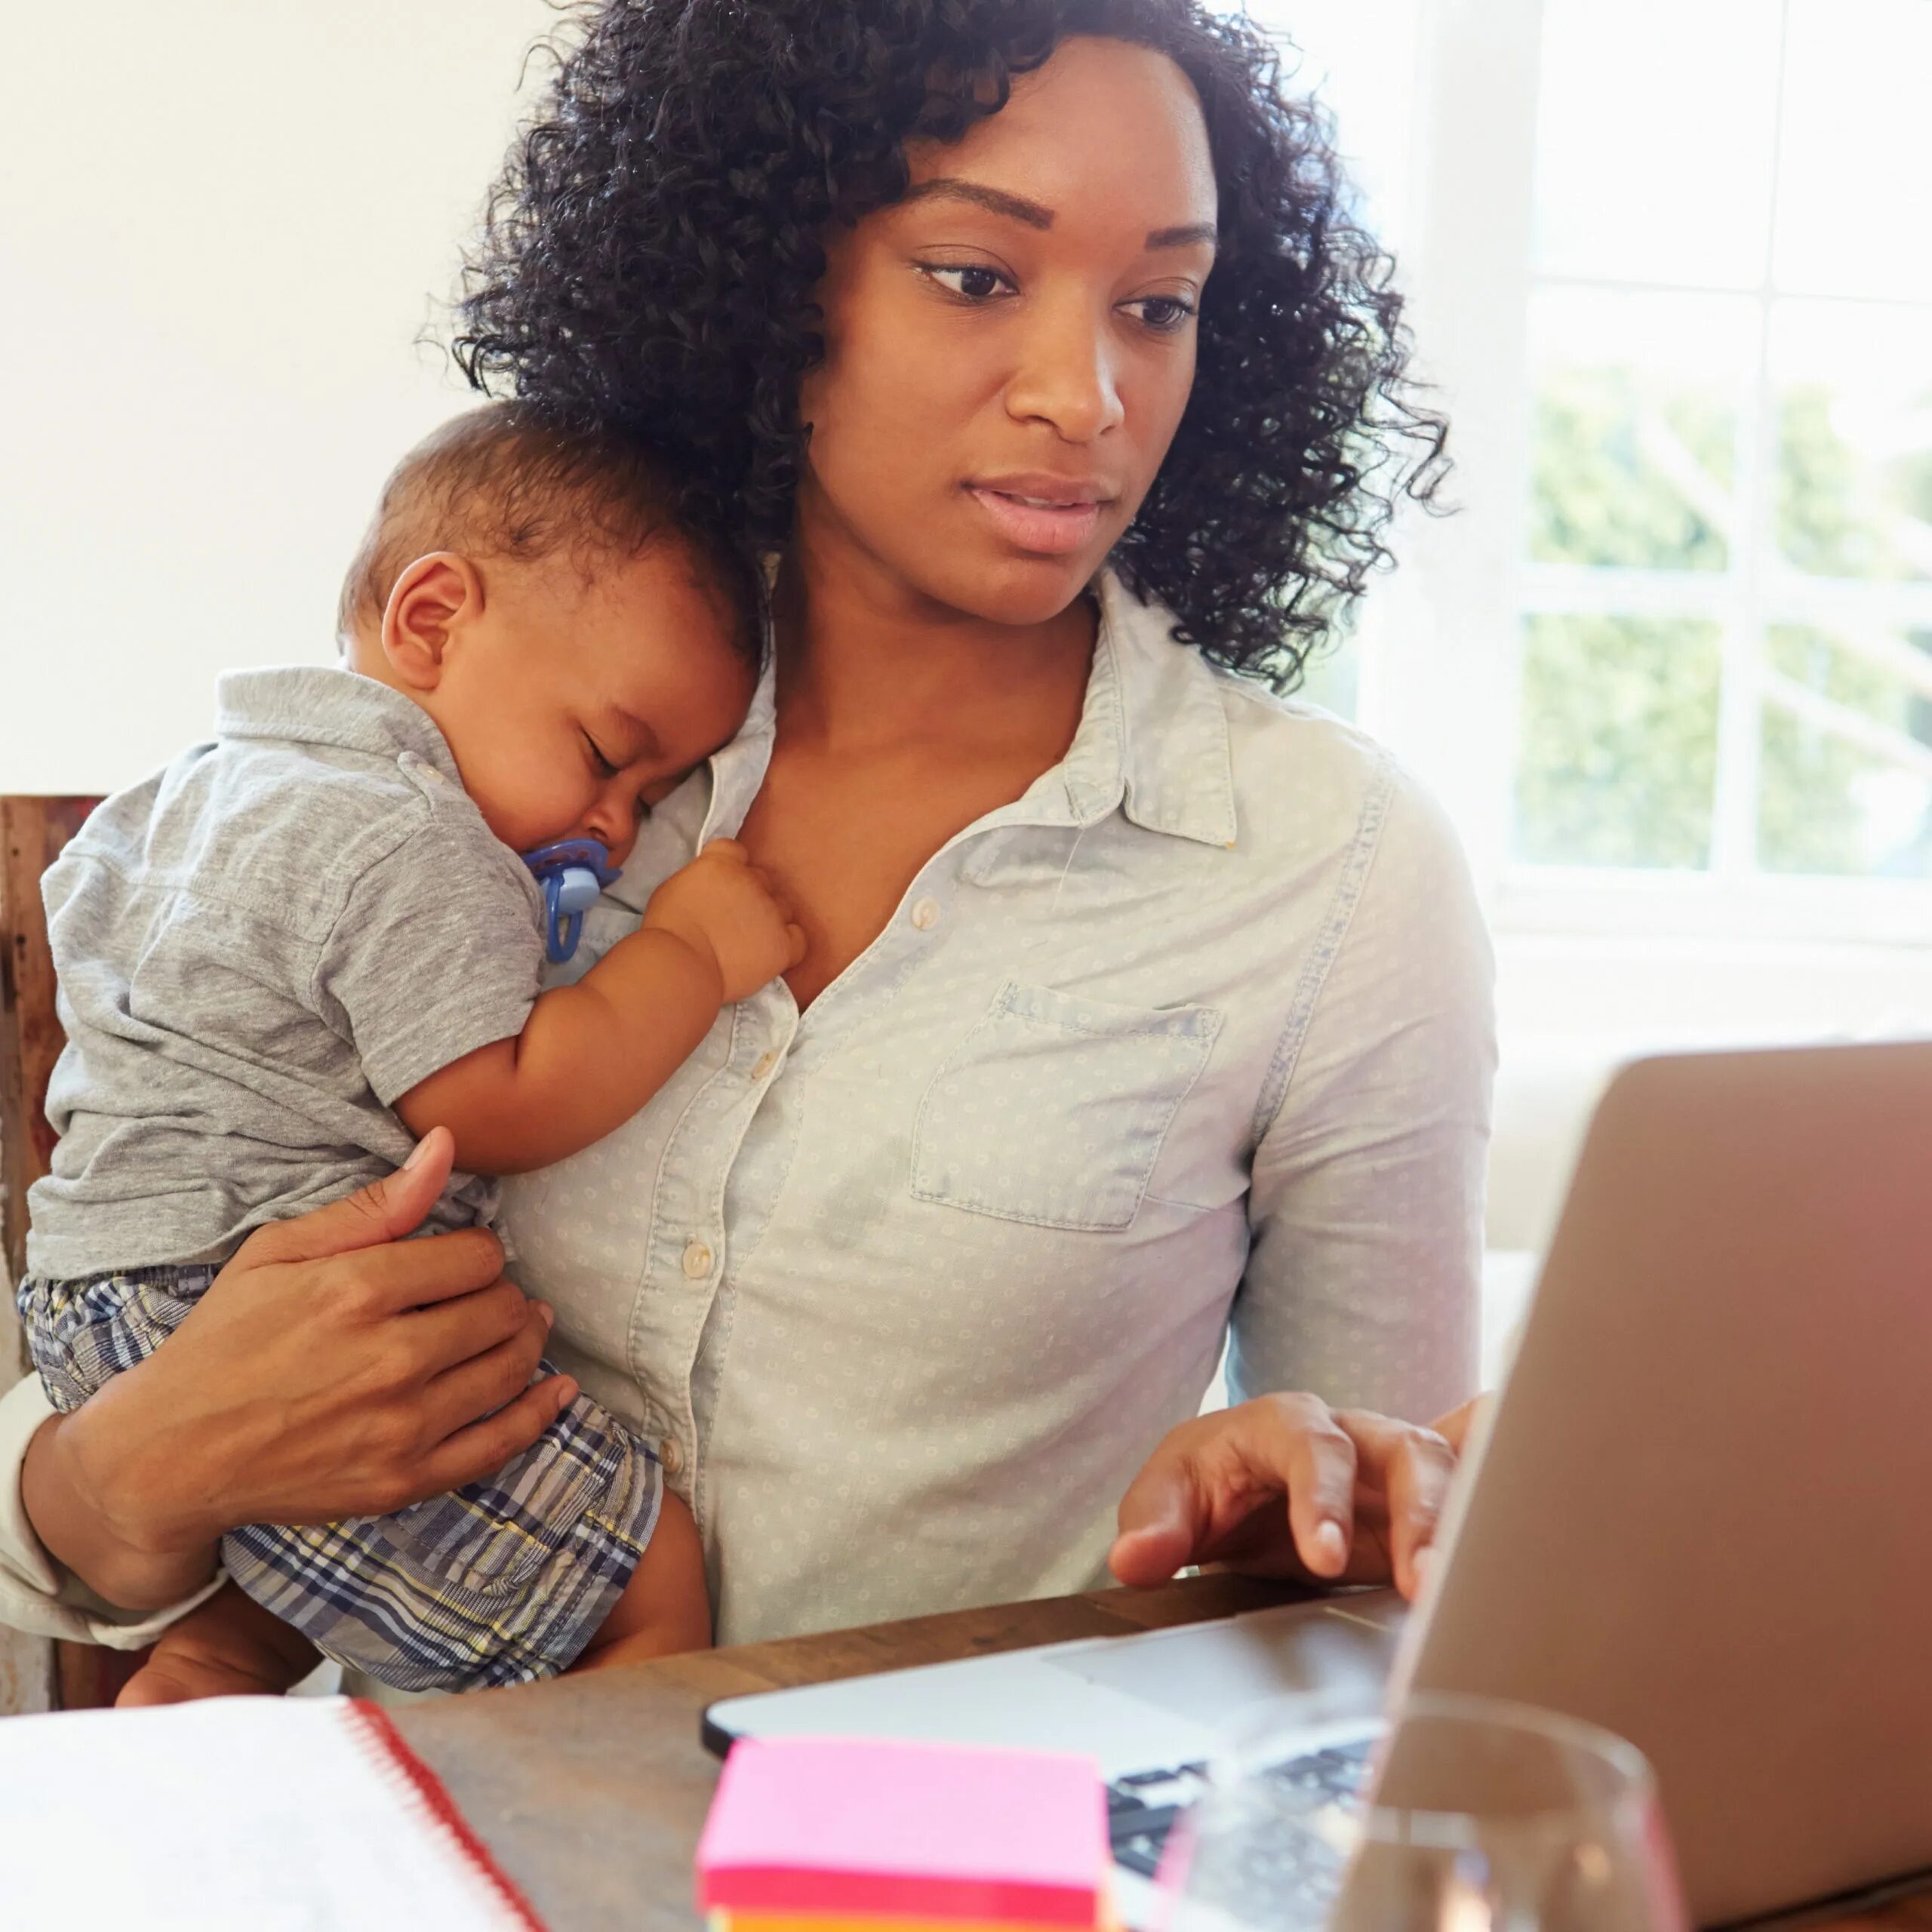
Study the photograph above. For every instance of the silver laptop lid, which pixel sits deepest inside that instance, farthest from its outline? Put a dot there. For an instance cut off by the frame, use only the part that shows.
(1704, 1518)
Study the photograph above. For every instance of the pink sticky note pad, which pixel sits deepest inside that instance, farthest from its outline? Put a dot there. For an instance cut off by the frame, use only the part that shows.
(810, 1824)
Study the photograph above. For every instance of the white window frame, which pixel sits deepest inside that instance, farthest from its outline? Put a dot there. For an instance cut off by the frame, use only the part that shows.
(1440, 673)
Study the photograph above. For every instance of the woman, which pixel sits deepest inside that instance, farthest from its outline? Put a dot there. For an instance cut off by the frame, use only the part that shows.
(1141, 1007)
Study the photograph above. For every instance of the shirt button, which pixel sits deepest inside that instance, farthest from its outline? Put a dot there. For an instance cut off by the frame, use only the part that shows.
(925, 915)
(697, 1261)
(670, 1455)
(766, 1061)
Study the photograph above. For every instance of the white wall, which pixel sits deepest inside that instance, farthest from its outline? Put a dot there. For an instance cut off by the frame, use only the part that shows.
(1573, 1008)
(225, 223)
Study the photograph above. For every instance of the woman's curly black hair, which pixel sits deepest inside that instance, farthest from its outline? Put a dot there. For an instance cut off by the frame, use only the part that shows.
(649, 259)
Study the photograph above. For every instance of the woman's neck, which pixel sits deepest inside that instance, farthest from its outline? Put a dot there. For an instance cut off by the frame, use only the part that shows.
(864, 661)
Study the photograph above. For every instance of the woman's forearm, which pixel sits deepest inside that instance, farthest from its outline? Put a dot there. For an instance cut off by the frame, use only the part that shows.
(315, 1380)
(86, 1526)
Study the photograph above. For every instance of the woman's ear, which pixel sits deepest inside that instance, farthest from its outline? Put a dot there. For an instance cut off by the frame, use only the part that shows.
(434, 599)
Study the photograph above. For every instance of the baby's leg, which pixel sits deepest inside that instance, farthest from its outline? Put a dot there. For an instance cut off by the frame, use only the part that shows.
(502, 1581)
(226, 1648)
(664, 1608)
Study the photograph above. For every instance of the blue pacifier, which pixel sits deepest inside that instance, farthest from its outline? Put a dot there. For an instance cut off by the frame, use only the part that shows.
(572, 873)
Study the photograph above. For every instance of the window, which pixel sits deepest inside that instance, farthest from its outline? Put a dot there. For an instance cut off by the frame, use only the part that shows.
(1725, 651)
(1671, 665)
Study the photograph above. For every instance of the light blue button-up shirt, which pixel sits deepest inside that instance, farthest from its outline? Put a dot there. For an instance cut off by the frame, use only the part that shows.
(1193, 1040)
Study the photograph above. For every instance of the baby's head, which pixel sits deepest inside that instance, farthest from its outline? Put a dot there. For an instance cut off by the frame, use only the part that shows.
(581, 645)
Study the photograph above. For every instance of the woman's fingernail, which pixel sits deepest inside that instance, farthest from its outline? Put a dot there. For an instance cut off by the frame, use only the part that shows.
(416, 1154)
(549, 1314)
(1331, 1548)
(1422, 1565)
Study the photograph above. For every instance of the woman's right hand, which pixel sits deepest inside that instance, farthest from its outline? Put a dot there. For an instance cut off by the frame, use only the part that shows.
(333, 1369)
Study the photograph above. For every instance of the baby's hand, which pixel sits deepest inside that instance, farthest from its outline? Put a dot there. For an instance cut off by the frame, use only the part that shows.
(727, 909)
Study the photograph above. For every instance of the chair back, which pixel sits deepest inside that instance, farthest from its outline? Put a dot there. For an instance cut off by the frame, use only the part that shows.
(33, 831)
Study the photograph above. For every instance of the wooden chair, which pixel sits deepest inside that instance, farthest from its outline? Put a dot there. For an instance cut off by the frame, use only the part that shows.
(33, 831)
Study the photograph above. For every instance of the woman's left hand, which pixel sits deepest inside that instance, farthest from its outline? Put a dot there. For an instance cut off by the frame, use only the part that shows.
(1285, 1486)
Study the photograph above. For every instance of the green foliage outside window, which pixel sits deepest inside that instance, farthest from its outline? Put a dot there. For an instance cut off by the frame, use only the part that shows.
(1618, 740)
(1811, 785)
(1619, 752)
(1602, 493)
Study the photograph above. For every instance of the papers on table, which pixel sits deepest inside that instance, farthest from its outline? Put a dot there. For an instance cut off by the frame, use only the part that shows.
(238, 1814)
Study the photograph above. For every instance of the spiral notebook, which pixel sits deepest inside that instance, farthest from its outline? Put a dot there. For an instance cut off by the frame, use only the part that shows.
(239, 1814)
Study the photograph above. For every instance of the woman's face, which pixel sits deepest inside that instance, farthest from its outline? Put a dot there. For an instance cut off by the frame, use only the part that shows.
(1009, 349)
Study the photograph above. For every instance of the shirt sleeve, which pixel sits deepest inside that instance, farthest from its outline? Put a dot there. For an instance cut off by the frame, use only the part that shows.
(37, 1595)
(1366, 1204)
(436, 952)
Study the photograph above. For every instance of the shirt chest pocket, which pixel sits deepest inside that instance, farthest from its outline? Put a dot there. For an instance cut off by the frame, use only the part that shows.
(1053, 1109)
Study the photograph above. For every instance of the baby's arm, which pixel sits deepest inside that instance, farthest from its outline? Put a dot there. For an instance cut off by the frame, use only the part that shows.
(590, 1055)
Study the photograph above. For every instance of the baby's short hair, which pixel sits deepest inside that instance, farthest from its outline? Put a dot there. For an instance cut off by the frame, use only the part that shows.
(511, 479)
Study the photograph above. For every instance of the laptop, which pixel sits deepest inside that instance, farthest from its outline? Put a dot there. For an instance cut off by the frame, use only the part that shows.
(1700, 1515)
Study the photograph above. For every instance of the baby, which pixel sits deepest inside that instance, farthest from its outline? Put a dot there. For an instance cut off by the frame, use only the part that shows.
(303, 946)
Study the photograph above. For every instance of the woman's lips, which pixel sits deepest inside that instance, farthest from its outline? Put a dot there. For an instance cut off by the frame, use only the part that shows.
(1046, 529)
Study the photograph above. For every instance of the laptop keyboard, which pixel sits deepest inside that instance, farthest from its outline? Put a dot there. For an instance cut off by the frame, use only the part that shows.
(1143, 1807)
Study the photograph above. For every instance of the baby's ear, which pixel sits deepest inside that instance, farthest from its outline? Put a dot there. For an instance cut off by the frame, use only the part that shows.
(434, 598)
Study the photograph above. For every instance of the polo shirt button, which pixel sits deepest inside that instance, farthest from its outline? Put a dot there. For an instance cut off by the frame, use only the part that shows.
(670, 1455)
(925, 915)
(697, 1261)
(766, 1061)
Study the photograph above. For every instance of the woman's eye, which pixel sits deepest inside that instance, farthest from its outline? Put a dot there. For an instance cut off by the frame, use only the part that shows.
(975, 284)
(1164, 313)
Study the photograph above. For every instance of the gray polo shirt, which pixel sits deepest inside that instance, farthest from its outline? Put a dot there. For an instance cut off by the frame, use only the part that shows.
(259, 949)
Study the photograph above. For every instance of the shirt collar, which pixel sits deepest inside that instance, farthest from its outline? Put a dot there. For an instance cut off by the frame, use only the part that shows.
(738, 770)
(1152, 739)
(314, 704)
(1153, 735)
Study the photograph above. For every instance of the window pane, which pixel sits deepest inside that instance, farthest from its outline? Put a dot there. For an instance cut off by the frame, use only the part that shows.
(1637, 398)
(1832, 801)
(1653, 141)
(1855, 192)
(1854, 387)
(1619, 741)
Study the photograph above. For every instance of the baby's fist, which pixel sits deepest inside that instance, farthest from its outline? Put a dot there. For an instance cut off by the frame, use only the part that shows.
(729, 909)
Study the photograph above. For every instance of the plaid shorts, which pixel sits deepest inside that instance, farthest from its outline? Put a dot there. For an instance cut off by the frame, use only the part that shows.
(501, 1582)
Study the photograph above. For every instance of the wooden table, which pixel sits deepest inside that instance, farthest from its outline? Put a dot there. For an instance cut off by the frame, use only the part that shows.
(590, 1790)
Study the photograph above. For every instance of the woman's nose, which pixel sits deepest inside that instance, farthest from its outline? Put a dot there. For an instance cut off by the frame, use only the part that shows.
(1066, 375)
